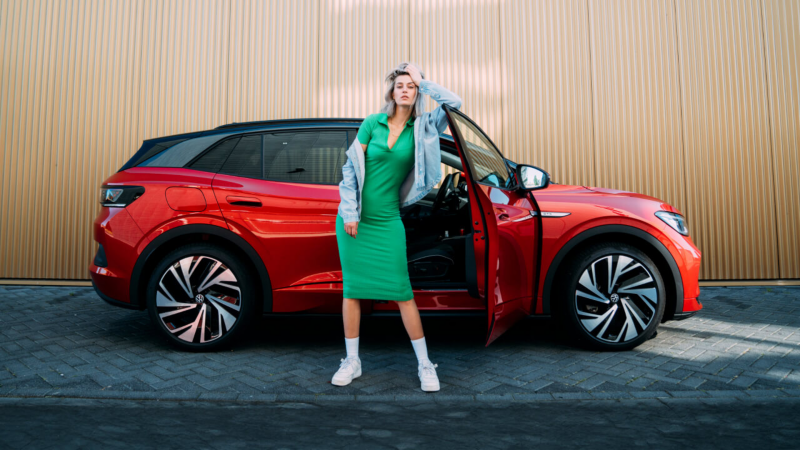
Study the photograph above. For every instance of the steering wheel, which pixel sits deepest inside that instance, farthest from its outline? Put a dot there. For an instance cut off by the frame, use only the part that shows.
(447, 187)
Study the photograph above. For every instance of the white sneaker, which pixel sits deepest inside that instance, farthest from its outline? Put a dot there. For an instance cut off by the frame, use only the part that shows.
(349, 368)
(427, 376)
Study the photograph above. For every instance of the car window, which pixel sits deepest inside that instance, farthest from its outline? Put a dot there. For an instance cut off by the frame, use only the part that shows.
(152, 153)
(181, 153)
(245, 159)
(487, 165)
(214, 158)
(313, 156)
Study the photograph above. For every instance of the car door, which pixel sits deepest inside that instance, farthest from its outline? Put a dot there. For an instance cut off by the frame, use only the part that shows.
(505, 228)
(281, 189)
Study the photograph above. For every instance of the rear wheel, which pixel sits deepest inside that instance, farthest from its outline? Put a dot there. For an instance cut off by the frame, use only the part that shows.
(201, 297)
(613, 296)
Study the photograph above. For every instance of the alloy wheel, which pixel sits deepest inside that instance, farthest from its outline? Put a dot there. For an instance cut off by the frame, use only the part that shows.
(616, 298)
(198, 299)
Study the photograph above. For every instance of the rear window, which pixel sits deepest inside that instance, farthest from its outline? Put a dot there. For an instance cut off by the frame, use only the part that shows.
(180, 153)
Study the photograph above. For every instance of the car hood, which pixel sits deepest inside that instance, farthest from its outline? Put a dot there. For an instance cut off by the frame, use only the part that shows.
(617, 192)
(603, 197)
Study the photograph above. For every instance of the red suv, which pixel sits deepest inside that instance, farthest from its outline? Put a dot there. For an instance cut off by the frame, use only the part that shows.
(210, 230)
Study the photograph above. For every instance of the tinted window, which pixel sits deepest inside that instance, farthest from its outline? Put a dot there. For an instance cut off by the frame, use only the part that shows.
(485, 161)
(180, 154)
(213, 159)
(305, 156)
(245, 159)
(156, 149)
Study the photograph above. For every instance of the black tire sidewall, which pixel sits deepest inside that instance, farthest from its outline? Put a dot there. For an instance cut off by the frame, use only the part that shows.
(568, 286)
(244, 276)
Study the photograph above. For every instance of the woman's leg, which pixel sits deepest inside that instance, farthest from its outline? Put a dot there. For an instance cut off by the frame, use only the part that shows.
(411, 320)
(426, 369)
(351, 366)
(351, 314)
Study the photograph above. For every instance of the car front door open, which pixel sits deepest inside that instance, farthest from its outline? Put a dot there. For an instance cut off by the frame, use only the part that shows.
(505, 228)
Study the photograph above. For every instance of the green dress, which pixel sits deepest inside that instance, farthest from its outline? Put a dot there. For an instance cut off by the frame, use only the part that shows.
(374, 263)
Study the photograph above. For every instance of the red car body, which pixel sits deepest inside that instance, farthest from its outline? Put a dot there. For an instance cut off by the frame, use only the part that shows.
(287, 231)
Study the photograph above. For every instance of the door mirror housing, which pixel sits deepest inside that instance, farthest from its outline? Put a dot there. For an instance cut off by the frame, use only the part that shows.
(531, 178)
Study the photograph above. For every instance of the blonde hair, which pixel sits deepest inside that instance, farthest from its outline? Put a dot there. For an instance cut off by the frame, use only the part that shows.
(390, 106)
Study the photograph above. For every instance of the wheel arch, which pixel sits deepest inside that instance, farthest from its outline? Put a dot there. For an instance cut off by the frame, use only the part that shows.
(176, 237)
(631, 235)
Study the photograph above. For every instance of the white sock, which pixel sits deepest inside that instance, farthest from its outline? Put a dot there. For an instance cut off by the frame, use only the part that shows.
(352, 347)
(420, 349)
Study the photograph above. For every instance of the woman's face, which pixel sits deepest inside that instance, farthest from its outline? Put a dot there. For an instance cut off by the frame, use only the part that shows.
(405, 91)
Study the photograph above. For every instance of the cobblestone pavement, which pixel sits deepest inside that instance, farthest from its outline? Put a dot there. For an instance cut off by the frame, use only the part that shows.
(67, 342)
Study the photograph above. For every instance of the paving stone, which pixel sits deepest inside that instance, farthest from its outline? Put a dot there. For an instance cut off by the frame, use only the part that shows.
(743, 341)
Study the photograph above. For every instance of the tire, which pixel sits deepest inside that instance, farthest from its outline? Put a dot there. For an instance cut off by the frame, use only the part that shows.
(608, 313)
(220, 303)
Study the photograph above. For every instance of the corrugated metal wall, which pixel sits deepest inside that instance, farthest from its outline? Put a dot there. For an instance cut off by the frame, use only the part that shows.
(694, 102)
(781, 25)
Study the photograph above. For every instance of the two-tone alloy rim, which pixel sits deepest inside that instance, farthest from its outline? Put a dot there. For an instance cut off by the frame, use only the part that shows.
(616, 298)
(198, 299)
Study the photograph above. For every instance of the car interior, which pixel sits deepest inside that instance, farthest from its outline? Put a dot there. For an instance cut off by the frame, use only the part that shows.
(439, 232)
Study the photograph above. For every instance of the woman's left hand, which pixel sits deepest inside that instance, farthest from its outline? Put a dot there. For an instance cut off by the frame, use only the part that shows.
(413, 72)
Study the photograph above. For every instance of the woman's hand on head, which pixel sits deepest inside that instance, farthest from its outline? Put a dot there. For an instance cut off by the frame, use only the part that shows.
(413, 72)
(351, 228)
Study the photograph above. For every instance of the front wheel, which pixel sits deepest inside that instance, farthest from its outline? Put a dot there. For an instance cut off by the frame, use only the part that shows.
(613, 296)
(201, 297)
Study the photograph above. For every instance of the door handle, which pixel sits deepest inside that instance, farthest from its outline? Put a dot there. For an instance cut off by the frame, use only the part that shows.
(503, 216)
(237, 200)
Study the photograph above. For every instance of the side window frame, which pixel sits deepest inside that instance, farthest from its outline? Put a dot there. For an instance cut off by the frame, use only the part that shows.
(348, 132)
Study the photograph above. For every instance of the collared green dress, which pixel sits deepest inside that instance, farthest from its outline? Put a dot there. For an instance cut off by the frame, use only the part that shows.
(374, 263)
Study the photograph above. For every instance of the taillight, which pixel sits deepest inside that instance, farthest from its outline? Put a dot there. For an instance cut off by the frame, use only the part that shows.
(119, 196)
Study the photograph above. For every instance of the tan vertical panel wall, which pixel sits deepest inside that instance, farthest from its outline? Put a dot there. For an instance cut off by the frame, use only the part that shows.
(547, 94)
(637, 111)
(457, 44)
(83, 83)
(273, 62)
(360, 41)
(729, 172)
(67, 114)
(180, 66)
(781, 19)
(578, 87)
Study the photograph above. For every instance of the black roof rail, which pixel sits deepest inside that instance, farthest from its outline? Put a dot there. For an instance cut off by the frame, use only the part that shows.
(288, 121)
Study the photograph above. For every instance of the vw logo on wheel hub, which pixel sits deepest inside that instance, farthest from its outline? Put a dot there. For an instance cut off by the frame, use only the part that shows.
(199, 298)
(614, 298)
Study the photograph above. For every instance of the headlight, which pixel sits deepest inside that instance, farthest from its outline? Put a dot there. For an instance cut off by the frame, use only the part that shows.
(676, 221)
(121, 196)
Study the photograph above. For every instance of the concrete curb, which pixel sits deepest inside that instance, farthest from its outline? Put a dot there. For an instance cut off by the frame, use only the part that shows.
(412, 397)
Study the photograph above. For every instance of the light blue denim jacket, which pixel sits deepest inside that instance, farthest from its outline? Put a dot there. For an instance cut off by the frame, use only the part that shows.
(427, 169)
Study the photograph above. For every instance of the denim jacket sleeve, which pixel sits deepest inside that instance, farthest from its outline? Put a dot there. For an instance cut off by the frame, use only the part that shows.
(443, 96)
(429, 157)
(348, 188)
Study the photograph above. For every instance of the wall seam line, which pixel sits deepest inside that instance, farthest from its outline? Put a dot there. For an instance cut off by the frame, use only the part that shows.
(591, 94)
(228, 61)
(680, 104)
(769, 133)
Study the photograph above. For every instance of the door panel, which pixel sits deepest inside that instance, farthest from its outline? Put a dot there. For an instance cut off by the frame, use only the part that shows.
(288, 204)
(505, 236)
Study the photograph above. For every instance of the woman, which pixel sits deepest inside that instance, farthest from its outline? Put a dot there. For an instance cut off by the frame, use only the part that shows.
(393, 162)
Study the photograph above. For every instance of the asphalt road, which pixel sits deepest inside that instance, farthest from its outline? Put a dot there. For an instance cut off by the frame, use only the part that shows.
(653, 423)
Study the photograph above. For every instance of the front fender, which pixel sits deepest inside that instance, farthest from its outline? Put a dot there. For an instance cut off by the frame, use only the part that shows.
(652, 236)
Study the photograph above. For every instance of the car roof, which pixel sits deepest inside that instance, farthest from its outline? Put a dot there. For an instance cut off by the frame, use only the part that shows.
(147, 149)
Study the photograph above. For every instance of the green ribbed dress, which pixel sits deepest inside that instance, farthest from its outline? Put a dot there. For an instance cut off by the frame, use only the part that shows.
(374, 263)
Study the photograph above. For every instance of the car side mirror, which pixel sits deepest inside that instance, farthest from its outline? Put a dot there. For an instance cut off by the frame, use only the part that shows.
(531, 177)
